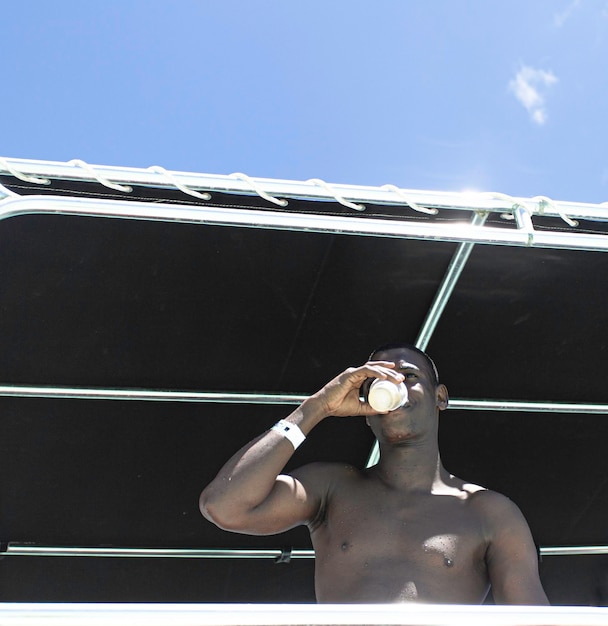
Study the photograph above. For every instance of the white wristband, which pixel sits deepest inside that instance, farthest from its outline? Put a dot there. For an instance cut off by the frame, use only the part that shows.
(290, 431)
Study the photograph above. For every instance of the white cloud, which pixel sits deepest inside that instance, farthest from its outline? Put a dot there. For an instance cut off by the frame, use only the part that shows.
(528, 86)
(559, 19)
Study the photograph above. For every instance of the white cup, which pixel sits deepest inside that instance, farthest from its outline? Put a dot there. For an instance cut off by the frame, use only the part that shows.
(386, 396)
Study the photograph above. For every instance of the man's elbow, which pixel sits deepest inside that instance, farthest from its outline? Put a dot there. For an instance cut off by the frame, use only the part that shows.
(219, 513)
(210, 509)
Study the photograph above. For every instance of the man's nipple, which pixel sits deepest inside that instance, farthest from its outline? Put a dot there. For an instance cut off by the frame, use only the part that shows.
(444, 546)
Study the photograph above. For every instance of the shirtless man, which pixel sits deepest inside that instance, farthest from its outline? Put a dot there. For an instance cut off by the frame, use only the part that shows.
(403, 530)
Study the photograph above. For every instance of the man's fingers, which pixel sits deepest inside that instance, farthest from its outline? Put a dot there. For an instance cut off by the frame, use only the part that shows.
(383, 363)
(378, 369)
(341, 395)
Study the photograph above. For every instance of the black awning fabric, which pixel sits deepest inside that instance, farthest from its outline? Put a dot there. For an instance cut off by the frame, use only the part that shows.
(88, 302)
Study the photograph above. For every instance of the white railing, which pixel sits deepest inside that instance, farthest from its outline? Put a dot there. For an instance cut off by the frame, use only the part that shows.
(296, 615)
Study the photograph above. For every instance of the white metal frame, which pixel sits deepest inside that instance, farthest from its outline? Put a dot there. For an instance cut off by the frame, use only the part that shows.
(523, 236)
(238, 183)
(296, 615)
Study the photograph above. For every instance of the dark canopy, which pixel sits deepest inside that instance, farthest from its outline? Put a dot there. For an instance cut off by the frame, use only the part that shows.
(93, 303)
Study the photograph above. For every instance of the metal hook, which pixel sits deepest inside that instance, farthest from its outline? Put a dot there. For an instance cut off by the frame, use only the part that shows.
(173, 180)
(24, 177)
(411, 204)
(104, 181)
(340, 199)
(285, 556)
(544, 201)
(258, 190)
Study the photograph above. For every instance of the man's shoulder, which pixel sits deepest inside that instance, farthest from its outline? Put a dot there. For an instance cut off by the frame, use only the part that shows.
(487, 499)
(481, 498)
(496, 510)
(323, 480)
(326, 471)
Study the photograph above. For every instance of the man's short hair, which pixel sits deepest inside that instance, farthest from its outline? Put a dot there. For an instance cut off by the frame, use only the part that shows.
(402, 345)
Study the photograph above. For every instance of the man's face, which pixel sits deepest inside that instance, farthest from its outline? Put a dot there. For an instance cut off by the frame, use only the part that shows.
(425, 396)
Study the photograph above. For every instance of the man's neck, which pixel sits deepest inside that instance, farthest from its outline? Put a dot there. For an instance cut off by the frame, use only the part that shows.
(414, 467)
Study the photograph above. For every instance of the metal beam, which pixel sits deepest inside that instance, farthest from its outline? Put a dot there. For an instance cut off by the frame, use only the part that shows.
(448, 284)
(226, 614)
(317, 223)
(282, 554)
(146, 395)
(17, 549)
(310, 189)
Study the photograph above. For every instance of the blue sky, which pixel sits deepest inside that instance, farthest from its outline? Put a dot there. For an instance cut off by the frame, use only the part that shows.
(442, 95)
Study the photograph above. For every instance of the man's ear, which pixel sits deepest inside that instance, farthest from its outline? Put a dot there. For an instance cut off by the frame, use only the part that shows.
(443, 397)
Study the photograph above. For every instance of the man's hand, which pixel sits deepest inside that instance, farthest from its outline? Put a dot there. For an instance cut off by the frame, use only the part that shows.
(340, 397)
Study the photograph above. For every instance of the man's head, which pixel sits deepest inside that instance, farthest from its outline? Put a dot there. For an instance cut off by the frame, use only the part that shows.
(426, 395)
(398, 346)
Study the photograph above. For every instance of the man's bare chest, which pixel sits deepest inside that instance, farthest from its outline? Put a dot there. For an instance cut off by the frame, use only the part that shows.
(428, 531)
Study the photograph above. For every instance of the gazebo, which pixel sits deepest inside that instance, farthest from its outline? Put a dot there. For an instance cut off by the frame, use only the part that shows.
(154, 321)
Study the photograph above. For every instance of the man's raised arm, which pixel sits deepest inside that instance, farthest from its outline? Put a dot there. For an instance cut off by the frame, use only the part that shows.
(250, 495)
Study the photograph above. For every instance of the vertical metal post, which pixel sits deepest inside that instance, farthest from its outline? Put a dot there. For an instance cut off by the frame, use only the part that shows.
(459, 260)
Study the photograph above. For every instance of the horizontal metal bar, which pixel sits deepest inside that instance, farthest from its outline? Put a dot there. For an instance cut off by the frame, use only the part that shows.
(528, 407)
(17, 549)
(573, 550)
(281, 220)
(14, 549)
(146, 395)
(225, 614)
(307, 189)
